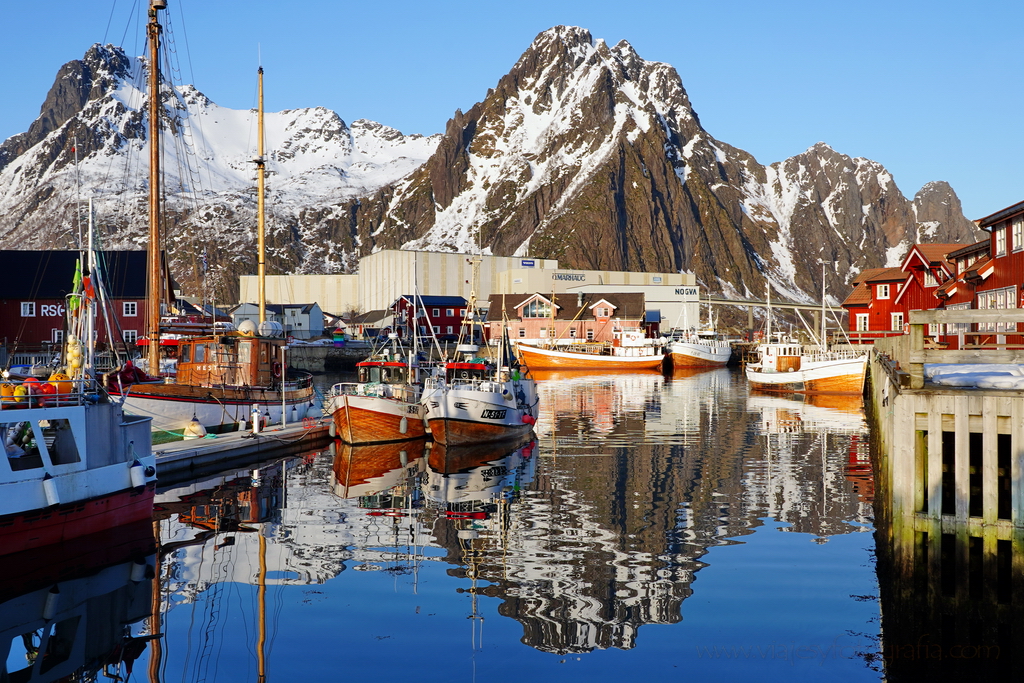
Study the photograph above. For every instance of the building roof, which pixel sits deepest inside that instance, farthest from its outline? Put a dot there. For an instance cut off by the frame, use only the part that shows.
(983, 245)
(886, 275)
(50, 274)
(277, 308)
(981, 268)
(935, 254)
(1000, 215)
(627, 305)
(371, 318)
(433, 300)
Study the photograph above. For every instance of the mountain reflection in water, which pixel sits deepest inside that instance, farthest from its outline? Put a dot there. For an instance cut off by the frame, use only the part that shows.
(578, 540)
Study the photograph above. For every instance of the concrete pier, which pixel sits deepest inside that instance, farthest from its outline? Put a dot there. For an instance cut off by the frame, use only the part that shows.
(179, 460)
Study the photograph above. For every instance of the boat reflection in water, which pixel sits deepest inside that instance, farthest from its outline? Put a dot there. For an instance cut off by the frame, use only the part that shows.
(68, 611)
(806, 484)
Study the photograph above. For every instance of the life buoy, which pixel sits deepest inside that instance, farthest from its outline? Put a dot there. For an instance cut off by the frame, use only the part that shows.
(464, 374)
(275, 369)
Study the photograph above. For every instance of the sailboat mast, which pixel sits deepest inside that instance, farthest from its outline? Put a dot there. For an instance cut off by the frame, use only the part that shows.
(261, 272)
(153, 258)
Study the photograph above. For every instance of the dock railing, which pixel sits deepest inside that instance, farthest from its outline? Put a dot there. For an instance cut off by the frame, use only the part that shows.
(909, 353)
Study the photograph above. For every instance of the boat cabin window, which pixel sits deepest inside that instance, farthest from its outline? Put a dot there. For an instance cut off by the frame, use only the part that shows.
(185, 355)
(198, 353)
(466, 371)
(20, 445)
(383, 374)
(245, 352)
(60, 441)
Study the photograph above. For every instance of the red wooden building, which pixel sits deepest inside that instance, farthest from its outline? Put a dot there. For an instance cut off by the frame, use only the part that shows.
(35, 287)
(442, 315)
(882, 298)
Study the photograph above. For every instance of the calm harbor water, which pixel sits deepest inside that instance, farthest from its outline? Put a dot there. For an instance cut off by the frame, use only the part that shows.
(679, 527)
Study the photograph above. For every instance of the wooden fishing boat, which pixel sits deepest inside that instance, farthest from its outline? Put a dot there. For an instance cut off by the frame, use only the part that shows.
(224, 380)
(384, 405)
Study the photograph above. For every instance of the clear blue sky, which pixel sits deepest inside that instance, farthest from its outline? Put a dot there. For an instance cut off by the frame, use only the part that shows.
(928, 89)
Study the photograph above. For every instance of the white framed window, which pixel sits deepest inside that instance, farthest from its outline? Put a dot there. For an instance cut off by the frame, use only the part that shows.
(1000, 235)
(522, 332)
(449, 330)
(437, 312)
(897, 322)
(437, 329)
(56, 336)
(863, 322)
(130, 336)
(543, 333)
(590, 334)
(450, 312)
(929, 279)
(129, 309)
(572, 332)
(882, 292)
(1017, 233)
(28, 309)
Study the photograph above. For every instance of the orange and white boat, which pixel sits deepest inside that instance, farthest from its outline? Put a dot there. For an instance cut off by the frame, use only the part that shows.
(630, 350)
(384, 405)
(787, 366)
(698, 351)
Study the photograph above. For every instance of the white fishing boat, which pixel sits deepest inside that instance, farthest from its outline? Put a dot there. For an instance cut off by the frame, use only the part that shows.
(474, 400)
(697, 349)
(785, 365)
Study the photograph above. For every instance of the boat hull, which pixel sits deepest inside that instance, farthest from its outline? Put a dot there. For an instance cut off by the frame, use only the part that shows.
(376, 419)
(480, 412)
(844, 376)
(63, 523)
(549, 359)
(172, 406)
(690, 355)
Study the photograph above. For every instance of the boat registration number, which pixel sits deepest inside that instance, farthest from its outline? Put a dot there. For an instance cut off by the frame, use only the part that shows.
(493, 414)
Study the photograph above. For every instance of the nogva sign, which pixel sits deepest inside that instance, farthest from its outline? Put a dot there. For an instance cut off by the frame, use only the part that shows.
(686, 291)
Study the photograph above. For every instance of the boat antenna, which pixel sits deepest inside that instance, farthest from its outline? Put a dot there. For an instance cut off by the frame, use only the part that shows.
(153, 260)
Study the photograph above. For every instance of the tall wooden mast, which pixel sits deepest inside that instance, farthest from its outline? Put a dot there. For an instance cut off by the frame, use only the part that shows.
(153, 266)
(261, 272)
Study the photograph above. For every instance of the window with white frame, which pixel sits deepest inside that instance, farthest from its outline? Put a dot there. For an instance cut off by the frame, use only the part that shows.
(929, 279)
(129, 309)
(449, 330)
(590, 334)
(56, 335)
(437, 329)
(522, 332)
(863, 322)
(897, 322)
(537, 309)
(602, 312)
(437, 312)
(1000, 235)
(882, 292)
(572, 332)
(1017, 233)
(130, 336)
(543, 332)
(28, 309)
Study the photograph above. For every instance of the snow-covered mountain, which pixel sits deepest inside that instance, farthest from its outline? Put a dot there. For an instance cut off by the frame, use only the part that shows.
(95, 111)
(587, 153)
(583, 152)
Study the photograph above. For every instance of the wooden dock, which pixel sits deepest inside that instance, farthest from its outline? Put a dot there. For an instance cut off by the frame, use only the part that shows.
(178, 460)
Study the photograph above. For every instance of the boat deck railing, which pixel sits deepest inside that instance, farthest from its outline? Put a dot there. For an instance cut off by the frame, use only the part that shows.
(57, 393)
(482, 385)
(401, 392)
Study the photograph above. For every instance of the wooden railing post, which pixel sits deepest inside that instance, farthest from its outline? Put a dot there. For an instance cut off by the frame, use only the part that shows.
(915, 367)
